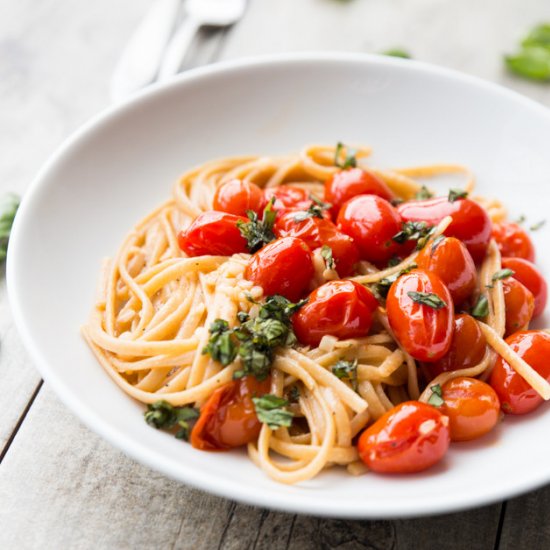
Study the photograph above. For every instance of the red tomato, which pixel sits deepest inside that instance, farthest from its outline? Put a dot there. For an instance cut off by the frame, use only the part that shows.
(513, 241)
(228, 418)
(531, 278)
(237, 196)
(515, 394)
(451, 261)
(347, 184)
(283, 267)
(340, 308)
(213, 233)
(316, 232)
(287, 197)
(472, 406)
(425, 332)
(470, 224)
(409, 438)
(371, 222)
(519, 303)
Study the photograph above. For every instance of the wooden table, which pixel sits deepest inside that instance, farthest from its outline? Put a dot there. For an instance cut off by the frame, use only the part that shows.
(61, 486)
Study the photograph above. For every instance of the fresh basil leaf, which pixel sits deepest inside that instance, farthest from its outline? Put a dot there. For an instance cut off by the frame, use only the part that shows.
(436, 398)
(270, 410)
(481, 308)
(163, 415)
(346, 370)
(532, 62)
(397, 52)
(538, 225)
(538, 36)
(427, 299)
(326, 253)
(423, 194)
(503, 274)
(456, 194)
(350, 160)
(258, 232)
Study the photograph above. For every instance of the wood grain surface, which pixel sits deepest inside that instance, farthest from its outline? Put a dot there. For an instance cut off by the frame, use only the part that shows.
(61, 486)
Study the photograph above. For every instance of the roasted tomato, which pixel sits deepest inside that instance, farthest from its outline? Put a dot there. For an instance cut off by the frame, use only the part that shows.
(283, 267)
(409, 438)
(340, 308)
(371, 222)
(519, 303)
(472, 406)
(531, 278)
(237, 197)
(450, 260)
(288, 197)
(347, 184)
(513, 241)
(228, 418)
(470, 224)
(515, 394)
(421, 314)
(468, 347)
(213, 233)
(316, 232)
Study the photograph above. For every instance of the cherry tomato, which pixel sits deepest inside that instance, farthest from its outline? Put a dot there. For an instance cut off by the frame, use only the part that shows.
(470, 224)
(288, 197)
(316, 232)
(472, 406)
(519, 303)
(513, 241)
(340, 308)
(424, 331)
(237, 196)
(409, 438)
(283, 267)
(228, 418)
(371, 222)
(450, 260)
(515, 394)
(347, 184)
(531, 278)
(213, 233)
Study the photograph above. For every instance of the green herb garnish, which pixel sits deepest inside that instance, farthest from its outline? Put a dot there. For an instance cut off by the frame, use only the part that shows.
(532, 61)
(537, 226)
(270, 410)
(427, 299)
(316, 210)
(423, 194)
(8, 209)
(521, 219)
(382, 287)
(436, 399)
(397, 52)
(414, 231)
(350, 161)
(456, 194)
(163, 415)
(435, 243)
(503, 274)
(326, 253)
(346, 370)
(481, 308)
(259, 232)
(221, 345)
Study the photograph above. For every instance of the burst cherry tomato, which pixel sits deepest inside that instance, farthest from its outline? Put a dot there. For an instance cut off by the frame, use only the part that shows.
(213, 233)
(424, 331)
(316, 232)
(519, 303)
(513, 241)
(468, 347)
(530, 277)
(409, 438)
(515, 394)
(288, 197)
(228, 418)
(470, 224)
(237, 196)
(283, 267)
(347, 184)
(340, 308)
(371, 222)
(450, 260)
(472, 406)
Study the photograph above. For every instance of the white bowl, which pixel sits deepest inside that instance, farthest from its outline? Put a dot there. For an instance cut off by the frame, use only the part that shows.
(122, 164)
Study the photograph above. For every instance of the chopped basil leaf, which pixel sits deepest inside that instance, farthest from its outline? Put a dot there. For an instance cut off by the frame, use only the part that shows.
(537, 225)
(503, 274)
(456, 194)
(423, 194)
(427, 299)
(346, 370)
(258, 232)
(436, 242)
(221, 345)
(414, 231)
(270, 410)
(436, 399)
(349, 162)
(521, 219)
(481, 308)
(394, 260)
(382, 287)
(8, 209)
(397, 52)
(314, 211)
(326, 253)
(163, 415)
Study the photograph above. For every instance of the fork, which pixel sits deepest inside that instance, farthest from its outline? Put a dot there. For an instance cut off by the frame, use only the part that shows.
(215, 13)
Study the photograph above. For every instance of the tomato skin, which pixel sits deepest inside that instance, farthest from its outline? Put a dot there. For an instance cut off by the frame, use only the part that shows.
(426, 333)
(468, 347)
(228, 418)
(409, 438)
(238, 196)
(531, 278)
(283, 267)
(472, 406)
(515, 394)
(343, 309)
(451, 261)
(471, 223)
(287, 196)
(371, 222)
(519, 303)
(347, 184)
(316, 232)
(513, 241)
(213, 233)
